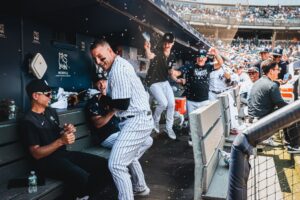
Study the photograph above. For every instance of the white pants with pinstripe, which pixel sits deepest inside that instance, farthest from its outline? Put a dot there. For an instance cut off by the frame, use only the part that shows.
(133, 140)
(110, 141)
(163, 94)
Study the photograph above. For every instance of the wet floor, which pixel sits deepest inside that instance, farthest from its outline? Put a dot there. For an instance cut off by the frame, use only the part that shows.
(169, 169)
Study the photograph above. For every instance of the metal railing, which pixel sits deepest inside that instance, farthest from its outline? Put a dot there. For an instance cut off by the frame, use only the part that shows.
(273, 175)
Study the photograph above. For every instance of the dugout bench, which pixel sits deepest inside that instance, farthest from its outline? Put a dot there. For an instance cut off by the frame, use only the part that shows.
(15, 165)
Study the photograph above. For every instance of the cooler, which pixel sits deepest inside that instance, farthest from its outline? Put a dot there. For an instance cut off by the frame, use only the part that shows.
(180, 105)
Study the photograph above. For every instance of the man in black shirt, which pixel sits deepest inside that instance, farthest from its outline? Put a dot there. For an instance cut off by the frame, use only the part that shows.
(103, 122)
(196, 79)
(46, 142)
(265, 97)
(162, 61)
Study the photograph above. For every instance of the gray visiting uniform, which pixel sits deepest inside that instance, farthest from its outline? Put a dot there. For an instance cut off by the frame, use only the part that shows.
(135, 130)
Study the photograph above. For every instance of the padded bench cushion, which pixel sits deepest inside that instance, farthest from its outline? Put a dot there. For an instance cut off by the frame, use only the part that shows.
(207, 134)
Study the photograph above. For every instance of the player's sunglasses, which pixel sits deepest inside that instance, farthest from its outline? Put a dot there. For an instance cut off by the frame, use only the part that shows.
(47, 94)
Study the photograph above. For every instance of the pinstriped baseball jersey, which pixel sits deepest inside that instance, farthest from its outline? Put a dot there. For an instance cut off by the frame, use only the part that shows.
(124, 83)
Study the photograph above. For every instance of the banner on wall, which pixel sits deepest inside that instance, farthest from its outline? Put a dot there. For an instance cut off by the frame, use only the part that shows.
(63, 66)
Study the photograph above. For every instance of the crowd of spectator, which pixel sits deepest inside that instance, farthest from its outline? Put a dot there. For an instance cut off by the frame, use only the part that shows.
(241, 13)
(247, 50)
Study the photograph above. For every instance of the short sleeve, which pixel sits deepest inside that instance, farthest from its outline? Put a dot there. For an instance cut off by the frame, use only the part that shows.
(30, 134)
(121, 81)
(184, 69)
(92, 108)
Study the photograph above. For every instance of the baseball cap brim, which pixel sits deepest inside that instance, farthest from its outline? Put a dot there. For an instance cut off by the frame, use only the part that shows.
(37, 85)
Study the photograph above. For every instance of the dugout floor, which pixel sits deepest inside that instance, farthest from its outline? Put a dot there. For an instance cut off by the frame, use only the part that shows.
(169, 170)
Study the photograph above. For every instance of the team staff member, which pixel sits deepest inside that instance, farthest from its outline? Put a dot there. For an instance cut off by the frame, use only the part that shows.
(130, 100)
(104, 124)
(157, 80)
(47, 142)
(196, 81)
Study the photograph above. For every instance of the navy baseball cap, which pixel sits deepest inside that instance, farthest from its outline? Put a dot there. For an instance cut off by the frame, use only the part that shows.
(37, 85)
(168, 37)
(277, 52)
(264, 50)
(202, 53)
(99, 76)
(253, 69)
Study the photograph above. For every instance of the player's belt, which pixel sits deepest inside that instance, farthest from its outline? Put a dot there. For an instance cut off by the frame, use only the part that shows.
(126, 117)
(216, 92)
(131, 116)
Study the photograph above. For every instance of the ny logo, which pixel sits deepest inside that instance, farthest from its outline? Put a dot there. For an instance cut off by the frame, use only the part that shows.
(63, 61)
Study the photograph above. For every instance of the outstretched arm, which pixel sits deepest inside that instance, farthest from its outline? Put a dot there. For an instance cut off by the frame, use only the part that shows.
(219, 60)
(149, 54)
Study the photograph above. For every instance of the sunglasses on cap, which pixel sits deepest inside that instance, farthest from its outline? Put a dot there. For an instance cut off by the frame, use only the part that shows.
(47, 94)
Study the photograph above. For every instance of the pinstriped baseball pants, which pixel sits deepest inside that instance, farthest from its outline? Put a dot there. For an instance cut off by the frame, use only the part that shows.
(164, 95)
(134, 136)
(110, 141)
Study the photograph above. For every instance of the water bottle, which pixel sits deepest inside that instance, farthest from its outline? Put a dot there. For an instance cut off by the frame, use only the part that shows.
(12, 110)
(32, 182)
(225, 156)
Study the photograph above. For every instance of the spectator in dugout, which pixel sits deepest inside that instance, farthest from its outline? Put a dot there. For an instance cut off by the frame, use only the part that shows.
(46, 142)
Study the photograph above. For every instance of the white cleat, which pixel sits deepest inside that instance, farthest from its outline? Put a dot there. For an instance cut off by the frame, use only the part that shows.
(156, 127)
(143, 193)
(171, 134)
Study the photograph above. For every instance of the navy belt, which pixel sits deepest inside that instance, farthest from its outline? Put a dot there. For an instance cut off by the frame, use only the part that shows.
(217, 92)
(131, 116)
(126, 117)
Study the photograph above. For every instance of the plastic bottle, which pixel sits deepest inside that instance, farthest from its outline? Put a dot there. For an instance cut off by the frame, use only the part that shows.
(226, 157)
(12, 110)
(32, 182)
